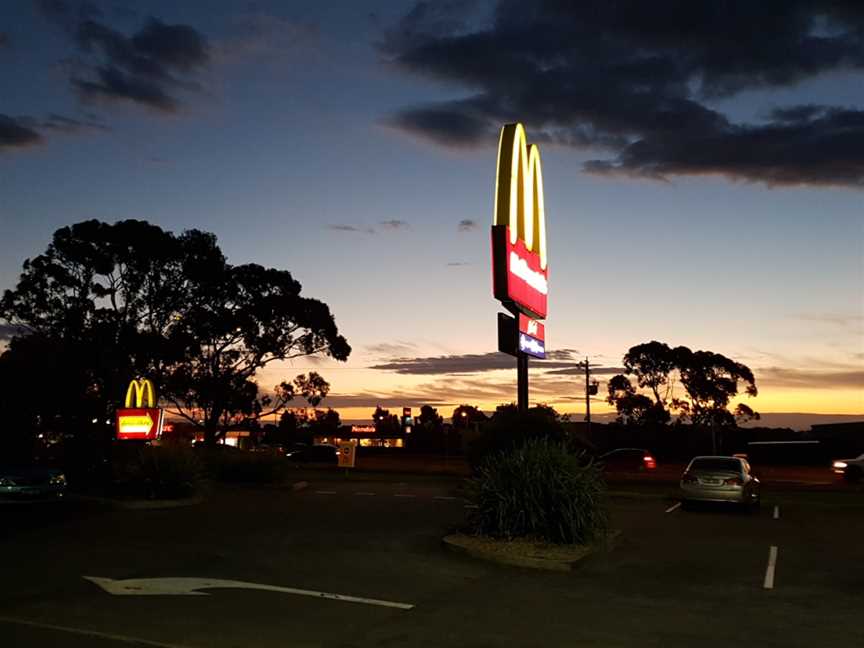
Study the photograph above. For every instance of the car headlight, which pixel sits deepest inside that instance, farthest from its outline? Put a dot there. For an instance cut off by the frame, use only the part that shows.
(840, 464)
(58, 480)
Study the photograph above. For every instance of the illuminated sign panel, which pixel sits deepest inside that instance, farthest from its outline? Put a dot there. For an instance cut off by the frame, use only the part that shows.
(532, 327)
(143, 423)
(363, 429)
(140, 418)
(532, 337)
(520, 273)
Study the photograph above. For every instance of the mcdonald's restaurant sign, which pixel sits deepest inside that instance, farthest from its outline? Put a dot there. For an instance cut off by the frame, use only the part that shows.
(520, 271)
(140, 418)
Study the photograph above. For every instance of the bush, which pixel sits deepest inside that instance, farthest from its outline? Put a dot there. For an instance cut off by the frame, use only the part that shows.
(540, 490)
(245, 467)
(509, 428)
(159, 472)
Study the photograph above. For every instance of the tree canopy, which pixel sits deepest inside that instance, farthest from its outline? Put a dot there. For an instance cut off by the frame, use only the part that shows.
(709, 381)
(129, 298)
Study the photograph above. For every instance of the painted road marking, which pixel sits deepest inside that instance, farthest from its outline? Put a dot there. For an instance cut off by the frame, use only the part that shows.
(772, 564)
(364, 494)
(444, 497)
(776, 512)
(404, 495)
(189, 587)
(673, 507)
(325, 492)
(135, 641)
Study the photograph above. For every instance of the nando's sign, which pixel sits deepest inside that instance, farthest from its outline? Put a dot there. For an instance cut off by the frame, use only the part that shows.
(140, 418)
(520, 274)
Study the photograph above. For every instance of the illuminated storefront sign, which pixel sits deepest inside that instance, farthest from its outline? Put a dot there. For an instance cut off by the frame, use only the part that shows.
(140, 418)
(520, 274)
(363, 429)
(532, 337)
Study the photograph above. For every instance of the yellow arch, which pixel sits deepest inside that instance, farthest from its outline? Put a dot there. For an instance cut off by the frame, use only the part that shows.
(143, 392)
(519, 190)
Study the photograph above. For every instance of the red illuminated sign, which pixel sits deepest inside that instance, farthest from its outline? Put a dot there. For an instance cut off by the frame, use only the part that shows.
(517, 275)
(143, 423)
(532, 327)
(520, 270)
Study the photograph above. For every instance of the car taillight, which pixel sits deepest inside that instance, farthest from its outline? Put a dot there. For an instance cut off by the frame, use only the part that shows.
(733, 481)
(649, 462)
(689, 479)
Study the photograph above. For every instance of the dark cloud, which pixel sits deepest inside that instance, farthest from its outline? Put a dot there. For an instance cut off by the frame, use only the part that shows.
(472, 363)
(14, 133)
(394, 224)
(467, 225)
(810, 379)
(351, 228)
(391, 348)
(147, 68)
(637, 81)
(62, 124)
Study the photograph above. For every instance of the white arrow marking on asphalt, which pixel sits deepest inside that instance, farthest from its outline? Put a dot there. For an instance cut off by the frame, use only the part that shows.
(188, 587)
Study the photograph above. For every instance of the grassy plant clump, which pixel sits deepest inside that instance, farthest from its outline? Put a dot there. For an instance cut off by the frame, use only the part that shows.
(170, 471)
(540, 490)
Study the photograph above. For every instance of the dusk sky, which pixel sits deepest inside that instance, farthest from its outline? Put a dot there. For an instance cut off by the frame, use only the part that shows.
(703, 166)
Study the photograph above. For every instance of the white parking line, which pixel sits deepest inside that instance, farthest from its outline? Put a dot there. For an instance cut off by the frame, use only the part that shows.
(404, 495)
(365, 494)
(776, 512)
(444, 497)
(325, 492)
(673, 507)
(769, 573)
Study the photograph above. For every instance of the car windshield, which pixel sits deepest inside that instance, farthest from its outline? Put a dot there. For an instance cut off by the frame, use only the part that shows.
(712, 464)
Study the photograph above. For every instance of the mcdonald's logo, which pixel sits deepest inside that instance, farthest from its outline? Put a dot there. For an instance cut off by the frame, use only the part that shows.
(140, 393)
(519, 262)
(140, 419)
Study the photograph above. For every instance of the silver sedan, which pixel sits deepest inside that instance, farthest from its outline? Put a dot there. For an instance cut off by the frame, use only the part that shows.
(720, 479)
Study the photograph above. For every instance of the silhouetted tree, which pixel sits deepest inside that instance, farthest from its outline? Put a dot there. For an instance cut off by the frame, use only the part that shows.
(429, 419)
(466, 416)
(710, 381)
(325, 422)
(634, 408)
(129, 299)
(385, 422)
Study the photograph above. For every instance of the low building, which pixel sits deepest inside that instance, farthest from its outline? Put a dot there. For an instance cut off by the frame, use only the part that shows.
(366, 436)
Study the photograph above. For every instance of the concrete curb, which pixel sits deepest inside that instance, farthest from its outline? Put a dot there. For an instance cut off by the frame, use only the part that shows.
(523, 553)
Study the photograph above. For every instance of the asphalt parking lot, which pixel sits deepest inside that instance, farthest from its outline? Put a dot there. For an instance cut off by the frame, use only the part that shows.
(675, 578)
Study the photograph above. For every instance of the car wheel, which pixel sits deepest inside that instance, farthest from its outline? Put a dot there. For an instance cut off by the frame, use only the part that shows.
(853, 474)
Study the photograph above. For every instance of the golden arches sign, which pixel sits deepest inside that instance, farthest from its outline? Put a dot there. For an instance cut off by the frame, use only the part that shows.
(140, 393)
(519, 191)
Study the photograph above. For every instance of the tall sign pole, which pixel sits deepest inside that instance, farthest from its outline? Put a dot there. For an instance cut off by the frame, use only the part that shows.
(588, 397)
(520, 273)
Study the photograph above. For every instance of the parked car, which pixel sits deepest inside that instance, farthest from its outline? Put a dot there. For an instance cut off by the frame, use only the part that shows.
(851, 469)
(31, 484)
(628, 460)
(322, 453)
(720, 479)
